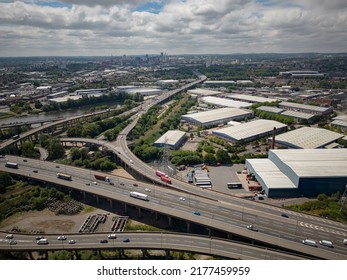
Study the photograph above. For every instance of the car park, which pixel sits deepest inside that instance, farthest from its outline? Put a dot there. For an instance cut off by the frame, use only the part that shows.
(103, 241)
(13, 242)
(9, 236)
(72, 241)
(61, 237)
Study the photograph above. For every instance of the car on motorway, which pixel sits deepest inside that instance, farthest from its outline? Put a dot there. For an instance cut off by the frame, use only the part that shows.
(122, 184)
(251, 227)
(57, 166)
(126, 239)
(112, 236)
(196, 212)
(61, 237)
(284, 215)
(147, 190)
(25, 160)
(182, 198)
(309, 242)
(72, 241)
(95, 183)
(13, 242)
(344, 241)
(35, 171)
(111, 183)
(135, 185)
(39, 237)
(87, 184)
(103, 241)
(9, 236)
(326, 243)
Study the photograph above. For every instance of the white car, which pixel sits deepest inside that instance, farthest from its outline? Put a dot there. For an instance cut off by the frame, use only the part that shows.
(95, 183)
(9, 236)
(61, 237)
(147, 190)
(182, 198)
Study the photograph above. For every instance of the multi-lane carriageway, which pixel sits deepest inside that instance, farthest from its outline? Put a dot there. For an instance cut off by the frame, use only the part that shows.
(224, 213)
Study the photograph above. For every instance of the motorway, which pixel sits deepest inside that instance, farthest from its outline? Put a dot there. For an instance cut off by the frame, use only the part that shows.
(149, 240)
(228, 214)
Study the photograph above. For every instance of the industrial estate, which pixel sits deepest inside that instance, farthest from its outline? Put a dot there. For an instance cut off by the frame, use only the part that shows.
(220, 153)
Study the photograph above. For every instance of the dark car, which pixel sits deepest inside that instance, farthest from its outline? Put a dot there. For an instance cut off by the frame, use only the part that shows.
(103, 241)
(284, 215)
(135, 185)
(126, 239)
(35, 171)
(39, 237)
(197, 213)
(111, 183)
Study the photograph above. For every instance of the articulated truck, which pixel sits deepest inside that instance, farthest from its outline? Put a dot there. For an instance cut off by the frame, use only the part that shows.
(102, 177)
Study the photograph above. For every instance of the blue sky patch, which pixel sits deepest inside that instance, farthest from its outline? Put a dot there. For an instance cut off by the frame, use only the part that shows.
(151, 7)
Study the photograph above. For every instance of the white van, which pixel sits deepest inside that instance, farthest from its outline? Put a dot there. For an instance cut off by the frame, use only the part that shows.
(112, 236)
(42, 241)
(326, 243)
(309, 242)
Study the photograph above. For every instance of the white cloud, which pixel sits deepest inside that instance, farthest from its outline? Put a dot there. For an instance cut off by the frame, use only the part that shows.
(191, 26)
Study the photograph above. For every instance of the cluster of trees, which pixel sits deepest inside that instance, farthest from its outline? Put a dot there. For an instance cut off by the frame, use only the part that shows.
(5, 181)
(325, 206)
(82, 157)
(26, 199)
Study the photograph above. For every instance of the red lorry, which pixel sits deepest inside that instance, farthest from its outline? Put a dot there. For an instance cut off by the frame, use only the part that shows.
(102, 177)
(165, 179)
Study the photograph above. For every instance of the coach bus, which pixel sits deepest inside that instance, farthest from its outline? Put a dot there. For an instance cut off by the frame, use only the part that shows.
(64, 176)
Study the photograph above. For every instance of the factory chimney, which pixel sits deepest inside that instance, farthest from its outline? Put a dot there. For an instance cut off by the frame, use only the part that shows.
(273, 139)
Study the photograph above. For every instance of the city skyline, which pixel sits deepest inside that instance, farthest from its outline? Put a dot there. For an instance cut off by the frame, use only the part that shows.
(79, 27)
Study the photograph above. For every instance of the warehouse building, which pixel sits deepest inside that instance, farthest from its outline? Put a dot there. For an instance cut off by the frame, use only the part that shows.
(217, 116)
(224, 102)
(172, 139)
(310, 109)
(340, 122)
(307, 172)
(251, 98)
(202, 92)
(250, 131)
(307, 138)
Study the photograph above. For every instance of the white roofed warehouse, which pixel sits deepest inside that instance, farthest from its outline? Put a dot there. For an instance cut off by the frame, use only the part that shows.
(307, 138)
(249, 131)
(172, 139)
(306, 172)
(218, 116)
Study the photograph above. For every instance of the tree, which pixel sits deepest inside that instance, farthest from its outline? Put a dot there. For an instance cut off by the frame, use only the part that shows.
(210, 159)
(55, 149)
(222, 156)
(5, 181)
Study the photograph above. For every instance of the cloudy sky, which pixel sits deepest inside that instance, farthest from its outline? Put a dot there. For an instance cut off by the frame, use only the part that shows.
(117, 27)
